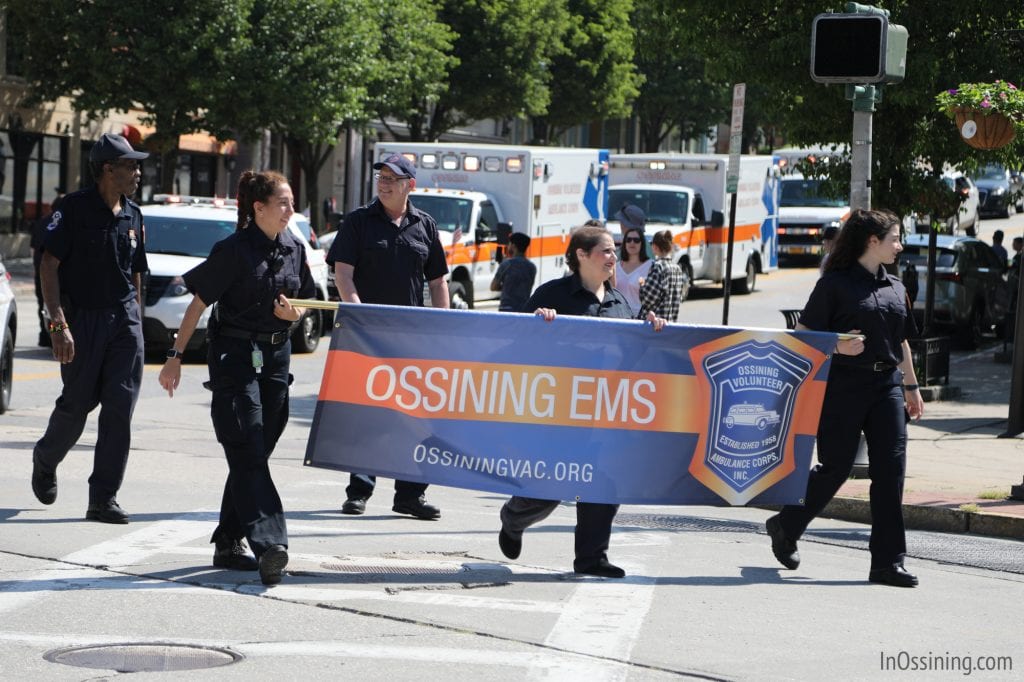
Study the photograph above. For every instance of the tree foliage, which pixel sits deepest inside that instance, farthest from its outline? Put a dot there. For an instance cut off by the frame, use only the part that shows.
(949, 43)
(109, 55)
(593, 75)
(677, 93)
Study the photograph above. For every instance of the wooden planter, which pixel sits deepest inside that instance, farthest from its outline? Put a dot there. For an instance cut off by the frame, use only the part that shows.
(984, 130)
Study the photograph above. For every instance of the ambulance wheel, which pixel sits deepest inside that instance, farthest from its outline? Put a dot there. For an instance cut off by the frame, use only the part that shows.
(458, 296)
(745, 285)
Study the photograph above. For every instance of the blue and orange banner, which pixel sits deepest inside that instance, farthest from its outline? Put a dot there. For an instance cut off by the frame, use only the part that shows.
(579, 408)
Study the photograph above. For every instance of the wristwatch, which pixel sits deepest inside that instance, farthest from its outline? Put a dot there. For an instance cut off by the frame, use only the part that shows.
(171, 354)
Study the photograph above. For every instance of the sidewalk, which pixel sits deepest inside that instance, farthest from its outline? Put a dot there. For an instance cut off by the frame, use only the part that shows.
(959, 472)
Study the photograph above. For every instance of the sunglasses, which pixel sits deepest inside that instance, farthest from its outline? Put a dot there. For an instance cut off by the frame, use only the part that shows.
(633, 240)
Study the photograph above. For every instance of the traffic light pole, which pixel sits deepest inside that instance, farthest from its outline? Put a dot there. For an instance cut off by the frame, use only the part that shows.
(860, 156)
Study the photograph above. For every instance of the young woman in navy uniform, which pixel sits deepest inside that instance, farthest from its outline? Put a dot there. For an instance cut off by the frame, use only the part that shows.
(249, 275)
(871, 388)
(90, 270)
(587, 291)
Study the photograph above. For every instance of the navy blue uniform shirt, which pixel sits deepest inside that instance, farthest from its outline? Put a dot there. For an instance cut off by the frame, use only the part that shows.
(391, 263)
(244, 274)
(515, 276)
(855, 299)
(567, 296)
(98, 251)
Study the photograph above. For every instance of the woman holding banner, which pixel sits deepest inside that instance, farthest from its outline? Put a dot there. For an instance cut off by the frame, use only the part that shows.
(587, 291)
(871, 389)
(250, 275)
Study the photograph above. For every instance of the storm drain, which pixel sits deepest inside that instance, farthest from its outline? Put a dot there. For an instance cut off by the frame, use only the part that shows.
(143, 658)
(394, 568)
(675, 522)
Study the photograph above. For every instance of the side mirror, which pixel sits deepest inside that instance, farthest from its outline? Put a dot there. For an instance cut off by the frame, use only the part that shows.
(717, 219)
(504, 232)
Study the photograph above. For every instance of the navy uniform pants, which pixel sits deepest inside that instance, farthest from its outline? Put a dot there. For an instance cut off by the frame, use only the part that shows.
(859, 400)
(249, 411)
(106, 371)
(362, 485)
(593, 525)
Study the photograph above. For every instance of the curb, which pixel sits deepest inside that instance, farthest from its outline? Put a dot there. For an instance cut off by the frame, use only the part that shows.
(942, 519)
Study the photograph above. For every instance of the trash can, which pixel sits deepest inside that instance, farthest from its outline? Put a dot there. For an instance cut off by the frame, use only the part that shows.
(931, 360)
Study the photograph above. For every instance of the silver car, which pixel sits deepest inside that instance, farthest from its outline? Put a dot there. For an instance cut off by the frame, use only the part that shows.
(971, 292)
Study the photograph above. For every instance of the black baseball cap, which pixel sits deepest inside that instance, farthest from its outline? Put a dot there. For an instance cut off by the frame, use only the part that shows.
(111, 147)
(400, 165)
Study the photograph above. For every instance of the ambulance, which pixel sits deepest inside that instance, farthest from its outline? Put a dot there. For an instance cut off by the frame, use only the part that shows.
(686, 194)
(482, 193)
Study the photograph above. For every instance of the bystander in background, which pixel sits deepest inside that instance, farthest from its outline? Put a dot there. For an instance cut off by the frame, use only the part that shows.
(515, 276)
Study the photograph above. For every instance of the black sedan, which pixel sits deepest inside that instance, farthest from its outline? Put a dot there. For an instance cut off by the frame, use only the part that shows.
(1000, 190)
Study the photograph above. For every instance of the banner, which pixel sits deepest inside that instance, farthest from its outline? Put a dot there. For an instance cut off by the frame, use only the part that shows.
(579, 408)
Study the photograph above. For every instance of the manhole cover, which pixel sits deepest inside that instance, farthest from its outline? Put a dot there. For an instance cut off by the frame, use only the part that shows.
(138, 658)
(386, 567)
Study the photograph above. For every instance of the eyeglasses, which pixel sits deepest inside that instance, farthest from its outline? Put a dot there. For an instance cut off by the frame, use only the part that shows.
(633, 240)
(387, 179)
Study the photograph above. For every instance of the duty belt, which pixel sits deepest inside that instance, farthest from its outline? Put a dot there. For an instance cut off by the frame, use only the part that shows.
(274, 339)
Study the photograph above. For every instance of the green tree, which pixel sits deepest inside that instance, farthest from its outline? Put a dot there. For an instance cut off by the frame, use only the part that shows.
(503, 49)
(949, 43)
(593, 75)
(416, 60)
(302, 72)
(677, 92)
(108, 55)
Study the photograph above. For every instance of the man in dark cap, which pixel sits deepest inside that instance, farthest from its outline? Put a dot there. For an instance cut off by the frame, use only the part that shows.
(384, 252)
(91, 272)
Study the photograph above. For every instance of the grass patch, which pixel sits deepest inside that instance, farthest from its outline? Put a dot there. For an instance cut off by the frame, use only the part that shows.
(970, 508)
(995, 494)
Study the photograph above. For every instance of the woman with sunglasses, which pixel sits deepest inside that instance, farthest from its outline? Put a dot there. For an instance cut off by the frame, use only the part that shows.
(250, 276)
(634, 264)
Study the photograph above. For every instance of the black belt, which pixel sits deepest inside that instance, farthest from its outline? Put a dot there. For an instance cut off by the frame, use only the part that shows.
(873, 367)
(274, 339)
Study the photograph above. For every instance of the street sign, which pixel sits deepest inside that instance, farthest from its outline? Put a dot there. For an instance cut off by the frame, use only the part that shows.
(732, 173)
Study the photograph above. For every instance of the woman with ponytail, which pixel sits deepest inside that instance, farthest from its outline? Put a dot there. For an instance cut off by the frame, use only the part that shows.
(251, 276)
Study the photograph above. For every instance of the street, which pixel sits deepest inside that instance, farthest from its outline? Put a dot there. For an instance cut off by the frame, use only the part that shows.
(382, 596)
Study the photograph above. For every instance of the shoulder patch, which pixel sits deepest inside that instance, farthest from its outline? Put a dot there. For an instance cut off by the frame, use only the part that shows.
(54, 221)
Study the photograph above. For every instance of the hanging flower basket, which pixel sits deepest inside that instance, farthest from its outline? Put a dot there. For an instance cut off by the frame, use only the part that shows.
(984, 130)
(987, 115)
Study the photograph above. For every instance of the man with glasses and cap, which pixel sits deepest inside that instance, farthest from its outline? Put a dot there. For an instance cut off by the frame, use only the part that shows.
(91, 272)
(383, 254)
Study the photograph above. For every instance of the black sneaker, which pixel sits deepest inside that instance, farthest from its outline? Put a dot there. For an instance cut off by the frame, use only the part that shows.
(44, 485)
(602, 568)
(232, 554)
(417, 507)
(783, 548)
(106, 512)
(354, 506)
(272, 563)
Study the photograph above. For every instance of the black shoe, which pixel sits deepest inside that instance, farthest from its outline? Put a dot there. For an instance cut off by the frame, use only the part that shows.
(106, 512)
(272, 563)
(510, 546)
(894, 575)
(417, 507)
(44, 485)
(354, 505)
(232, 554)
(601, 568)
(783, 548)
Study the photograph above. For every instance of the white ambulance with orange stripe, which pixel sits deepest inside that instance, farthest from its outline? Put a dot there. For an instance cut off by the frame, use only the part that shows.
(686, 194)
(479, 192)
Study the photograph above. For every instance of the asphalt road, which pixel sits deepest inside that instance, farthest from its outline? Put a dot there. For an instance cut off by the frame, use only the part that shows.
(387, 597)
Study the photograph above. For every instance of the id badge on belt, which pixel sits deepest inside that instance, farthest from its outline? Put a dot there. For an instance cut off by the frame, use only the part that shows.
(257, 360)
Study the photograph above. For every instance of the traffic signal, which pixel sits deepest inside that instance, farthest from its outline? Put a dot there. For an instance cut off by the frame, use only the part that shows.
(857, 48)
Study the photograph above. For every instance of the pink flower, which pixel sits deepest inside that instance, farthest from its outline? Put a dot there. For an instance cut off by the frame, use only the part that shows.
(985, 104)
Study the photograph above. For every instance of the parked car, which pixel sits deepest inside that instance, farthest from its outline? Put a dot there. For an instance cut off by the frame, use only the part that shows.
(8, 335)
(1000, 190)
(968, 219)
(178, 237)
(971, 292)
